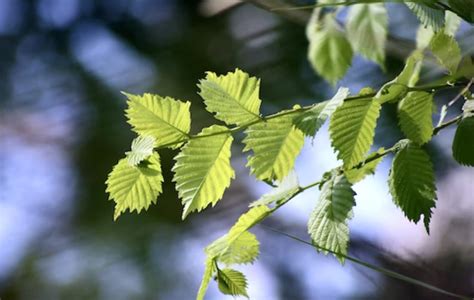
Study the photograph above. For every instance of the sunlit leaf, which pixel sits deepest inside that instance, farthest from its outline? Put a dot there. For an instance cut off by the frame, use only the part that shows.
(166, 119)
(203, 170)
(275, 144)
(234, 97)
(135, 187)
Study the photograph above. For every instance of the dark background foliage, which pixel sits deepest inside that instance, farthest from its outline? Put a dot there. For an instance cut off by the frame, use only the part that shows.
(63, 64)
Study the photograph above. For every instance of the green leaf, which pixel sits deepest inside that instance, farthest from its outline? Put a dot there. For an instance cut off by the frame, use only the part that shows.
(242, 250)
(284, 191)
(352, 129)
(234, 97)
(232, 282)
(446, 50)
(166, 119)
(275, 144)
(329, 52)
(203, 170)
(142, 148)
(209, 270)
(428, 16)
(415, 114)
(327, 225)
(425, 34)
(412, 182)
(367, 30)
(410, 73)
(135, 187)
(397, 89)
(464, 8)
(247, 220)
(463, 145)
(311, 120)
(355, 175)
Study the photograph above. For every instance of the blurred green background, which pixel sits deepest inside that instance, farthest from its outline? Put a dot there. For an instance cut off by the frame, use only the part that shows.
(63, 64)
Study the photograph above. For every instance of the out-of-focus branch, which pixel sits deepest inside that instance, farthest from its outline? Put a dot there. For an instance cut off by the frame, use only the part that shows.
(396, 47)
(298, 16)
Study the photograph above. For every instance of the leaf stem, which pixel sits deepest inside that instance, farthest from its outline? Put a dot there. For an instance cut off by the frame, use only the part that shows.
(427, 88)
(446, 124)
(378, 269)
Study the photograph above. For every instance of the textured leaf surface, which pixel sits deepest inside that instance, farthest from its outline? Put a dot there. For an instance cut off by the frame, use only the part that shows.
(285, 190)
(327, 225)
(203, 170)
(234, 97)
(311, 120)
(275, 144)
(242, 250)
(232, 282)
(352, 129)
(142, 147)
(367, 30)
(206, 278)
(357, 174)
(166, 119)
(412, 182)
(446, 50)
(463, 144)
(135, 187)
(330, 53)
(428, 16)
(248, 220)
(415, 114)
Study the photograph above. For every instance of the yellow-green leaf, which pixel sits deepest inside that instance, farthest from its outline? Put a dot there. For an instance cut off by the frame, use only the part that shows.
(135, 187)
(275, 144)
(352, 129)
(166, 119)
(233, 97)
(232, 282)
(203, 170)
